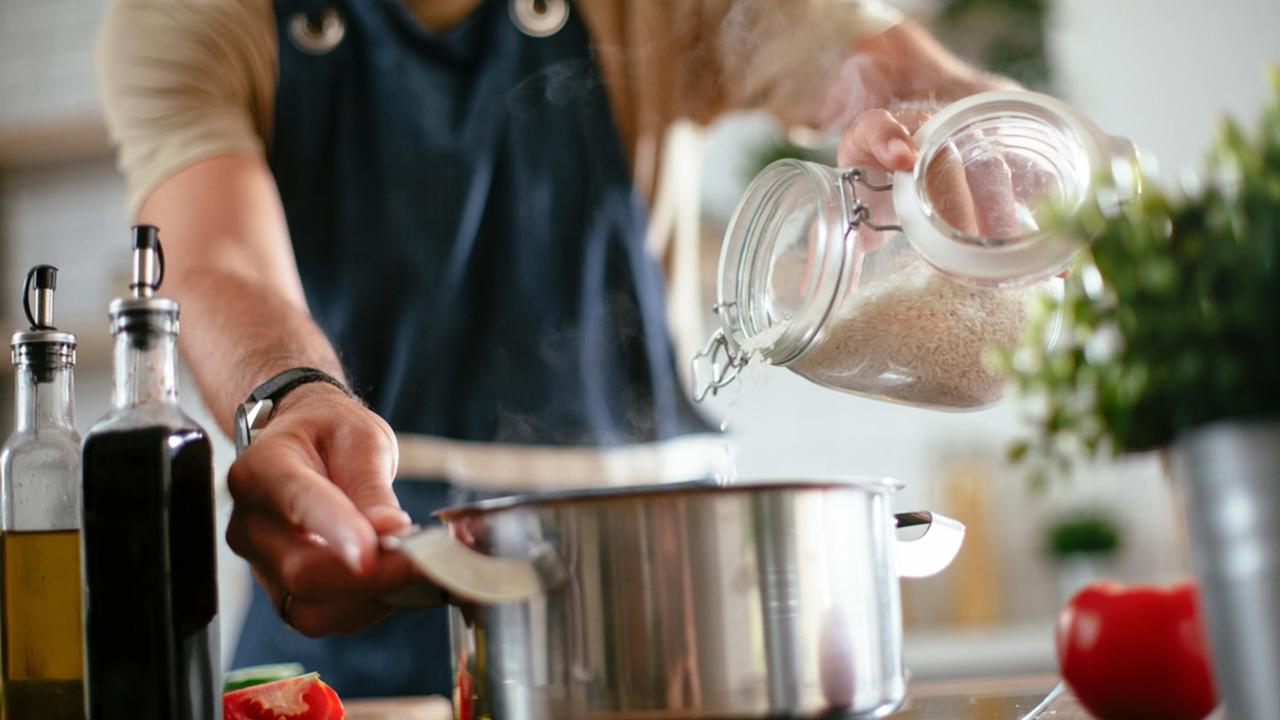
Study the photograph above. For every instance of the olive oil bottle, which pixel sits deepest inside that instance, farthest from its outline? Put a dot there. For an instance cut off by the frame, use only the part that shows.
(151, 624)
(41, 638)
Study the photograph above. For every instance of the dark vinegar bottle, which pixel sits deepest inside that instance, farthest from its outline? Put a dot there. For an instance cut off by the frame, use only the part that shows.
(151, 619)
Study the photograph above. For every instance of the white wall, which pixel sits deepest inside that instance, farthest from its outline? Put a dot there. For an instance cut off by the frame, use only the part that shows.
(1163, 71)
(69, 216)
(46, 60)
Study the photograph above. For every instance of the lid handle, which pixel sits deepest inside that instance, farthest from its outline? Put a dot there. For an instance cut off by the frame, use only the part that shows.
(44, 280)
(930, 553)
(453, 571)
(148, 261)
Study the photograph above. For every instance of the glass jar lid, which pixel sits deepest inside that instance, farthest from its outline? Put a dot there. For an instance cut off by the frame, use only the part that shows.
(992, 169)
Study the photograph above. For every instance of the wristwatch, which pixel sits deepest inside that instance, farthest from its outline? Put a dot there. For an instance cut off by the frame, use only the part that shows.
(252, 415)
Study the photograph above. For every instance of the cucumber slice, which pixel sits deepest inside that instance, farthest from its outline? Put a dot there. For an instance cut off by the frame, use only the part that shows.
(259, 674)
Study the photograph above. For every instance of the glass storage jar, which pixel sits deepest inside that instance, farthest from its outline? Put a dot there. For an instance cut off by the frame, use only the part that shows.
(897, 290)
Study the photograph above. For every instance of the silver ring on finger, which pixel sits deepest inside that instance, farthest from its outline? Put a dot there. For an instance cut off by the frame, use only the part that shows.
(286, 600)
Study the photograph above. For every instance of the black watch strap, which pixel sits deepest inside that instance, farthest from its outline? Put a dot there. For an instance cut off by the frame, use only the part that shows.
(279, 385)
(252, 415)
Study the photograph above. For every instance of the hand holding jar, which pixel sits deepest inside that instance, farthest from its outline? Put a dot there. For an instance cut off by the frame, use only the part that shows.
(977, 192)
(896, 289)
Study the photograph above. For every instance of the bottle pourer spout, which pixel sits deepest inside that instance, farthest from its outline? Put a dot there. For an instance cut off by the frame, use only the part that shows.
(43, 279)
(148, 261)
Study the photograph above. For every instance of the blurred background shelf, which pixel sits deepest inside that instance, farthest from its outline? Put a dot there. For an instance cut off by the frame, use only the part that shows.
(63, 140)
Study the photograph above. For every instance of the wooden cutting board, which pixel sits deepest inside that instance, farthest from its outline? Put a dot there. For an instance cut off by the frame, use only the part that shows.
(429, 708)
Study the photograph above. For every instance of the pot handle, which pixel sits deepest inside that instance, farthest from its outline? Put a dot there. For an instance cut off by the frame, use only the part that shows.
(453, 571)
(930, 553)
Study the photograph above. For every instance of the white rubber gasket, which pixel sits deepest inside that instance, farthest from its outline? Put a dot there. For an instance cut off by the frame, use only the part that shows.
(1033, 258)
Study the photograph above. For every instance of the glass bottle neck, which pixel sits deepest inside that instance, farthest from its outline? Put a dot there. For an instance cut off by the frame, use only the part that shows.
(146, 372)
(45, 397)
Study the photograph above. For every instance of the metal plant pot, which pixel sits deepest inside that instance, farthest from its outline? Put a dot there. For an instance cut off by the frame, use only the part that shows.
(1229, 474)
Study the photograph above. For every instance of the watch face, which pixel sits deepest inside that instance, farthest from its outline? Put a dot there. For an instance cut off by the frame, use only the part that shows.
(251, 418)
(242, 429)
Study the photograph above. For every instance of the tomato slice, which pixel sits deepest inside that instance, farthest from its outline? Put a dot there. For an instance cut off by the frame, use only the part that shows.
(464, 696)
(305, 697)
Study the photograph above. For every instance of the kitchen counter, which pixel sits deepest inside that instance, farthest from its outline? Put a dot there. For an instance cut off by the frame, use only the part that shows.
(1009, 698)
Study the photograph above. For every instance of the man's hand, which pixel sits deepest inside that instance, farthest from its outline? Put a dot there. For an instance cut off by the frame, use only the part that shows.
(883, 93)
(881, 140)
(312, 494)
(970, 183)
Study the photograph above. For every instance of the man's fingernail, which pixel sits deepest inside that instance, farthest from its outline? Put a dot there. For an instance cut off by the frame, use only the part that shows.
(382, 512)
(899, 147)
(385, 518)
(351, 553)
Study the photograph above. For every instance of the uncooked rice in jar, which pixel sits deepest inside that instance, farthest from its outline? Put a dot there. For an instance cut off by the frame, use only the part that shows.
(917, 336)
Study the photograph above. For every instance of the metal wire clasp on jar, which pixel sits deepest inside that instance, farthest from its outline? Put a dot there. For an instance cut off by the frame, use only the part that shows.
(898, 290)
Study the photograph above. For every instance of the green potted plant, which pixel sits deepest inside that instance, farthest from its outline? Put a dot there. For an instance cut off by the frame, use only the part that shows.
(1170, 339)
(1081, 545)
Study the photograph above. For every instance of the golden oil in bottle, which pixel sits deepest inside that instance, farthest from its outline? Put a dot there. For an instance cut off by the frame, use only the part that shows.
(43, 649)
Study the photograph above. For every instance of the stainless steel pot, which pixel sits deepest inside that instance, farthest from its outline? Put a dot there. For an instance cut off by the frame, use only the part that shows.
(685, 601)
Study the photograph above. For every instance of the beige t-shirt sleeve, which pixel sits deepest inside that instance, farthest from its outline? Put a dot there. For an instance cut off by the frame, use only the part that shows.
(696, 59)
(184, 80)
(782, 55)
(665, 60)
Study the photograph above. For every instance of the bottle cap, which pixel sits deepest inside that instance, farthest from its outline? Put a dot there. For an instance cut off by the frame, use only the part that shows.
(143, 307)
(43, 344)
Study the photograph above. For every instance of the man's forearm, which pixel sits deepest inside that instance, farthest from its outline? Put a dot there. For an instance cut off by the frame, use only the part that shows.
(916, 66)
(231, 265)
(237, 334)
(904, 64)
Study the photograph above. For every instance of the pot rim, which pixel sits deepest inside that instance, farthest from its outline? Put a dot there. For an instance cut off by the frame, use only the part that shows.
(696, 487)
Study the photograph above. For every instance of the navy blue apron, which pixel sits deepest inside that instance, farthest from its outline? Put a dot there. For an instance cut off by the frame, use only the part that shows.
(469, 238)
